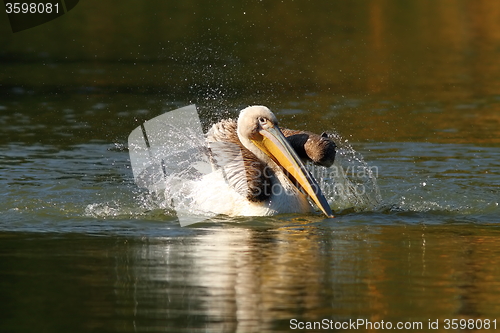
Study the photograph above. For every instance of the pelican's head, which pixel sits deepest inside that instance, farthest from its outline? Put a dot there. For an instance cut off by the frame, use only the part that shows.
(258, 131)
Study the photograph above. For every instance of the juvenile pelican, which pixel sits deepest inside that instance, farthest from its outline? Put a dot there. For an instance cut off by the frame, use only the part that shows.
(258, 167)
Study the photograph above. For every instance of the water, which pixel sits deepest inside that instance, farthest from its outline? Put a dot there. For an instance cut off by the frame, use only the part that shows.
(411, 92)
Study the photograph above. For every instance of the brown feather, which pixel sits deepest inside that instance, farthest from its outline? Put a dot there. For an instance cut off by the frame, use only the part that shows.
(319, 149)
(309, 146)
(258, 174)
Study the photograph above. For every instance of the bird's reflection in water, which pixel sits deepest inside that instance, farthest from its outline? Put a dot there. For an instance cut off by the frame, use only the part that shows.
(228, 278)
(240, 278)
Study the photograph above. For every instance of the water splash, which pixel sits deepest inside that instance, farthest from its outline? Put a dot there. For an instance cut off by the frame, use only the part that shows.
(350, 183)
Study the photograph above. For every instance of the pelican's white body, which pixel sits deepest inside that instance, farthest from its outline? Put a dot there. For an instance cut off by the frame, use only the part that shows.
(212, 194)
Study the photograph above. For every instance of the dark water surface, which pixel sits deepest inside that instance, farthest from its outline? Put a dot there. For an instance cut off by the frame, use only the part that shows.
(413, 86)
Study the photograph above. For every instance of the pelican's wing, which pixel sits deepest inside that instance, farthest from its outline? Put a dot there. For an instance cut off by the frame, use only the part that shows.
(243, 171)
(319, 149)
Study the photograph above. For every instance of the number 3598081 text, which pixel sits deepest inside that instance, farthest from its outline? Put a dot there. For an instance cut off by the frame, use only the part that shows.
(31, 8)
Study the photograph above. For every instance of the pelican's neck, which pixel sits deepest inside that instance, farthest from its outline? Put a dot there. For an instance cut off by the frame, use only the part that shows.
(248, 144)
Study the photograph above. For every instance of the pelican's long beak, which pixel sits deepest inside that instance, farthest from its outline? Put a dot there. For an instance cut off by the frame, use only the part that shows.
(276, 146)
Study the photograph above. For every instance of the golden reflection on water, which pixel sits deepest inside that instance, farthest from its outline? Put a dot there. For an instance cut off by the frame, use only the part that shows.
(446, 49)
(376, 70)
(237, 279)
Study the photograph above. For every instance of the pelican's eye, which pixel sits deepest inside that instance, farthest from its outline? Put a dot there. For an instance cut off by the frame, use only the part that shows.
(262, 120)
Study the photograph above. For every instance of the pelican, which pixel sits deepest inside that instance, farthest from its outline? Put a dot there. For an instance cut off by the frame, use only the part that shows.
(258, 168)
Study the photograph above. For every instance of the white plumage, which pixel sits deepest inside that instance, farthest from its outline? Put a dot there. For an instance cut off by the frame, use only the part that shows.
(255, 170)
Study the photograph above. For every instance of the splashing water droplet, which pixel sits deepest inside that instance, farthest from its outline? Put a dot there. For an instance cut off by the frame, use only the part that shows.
(350, 183)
